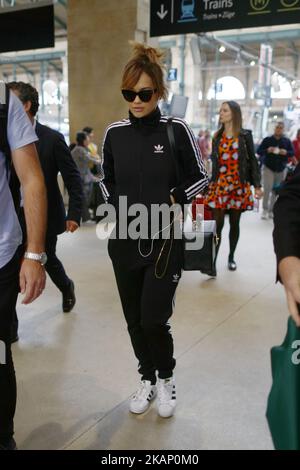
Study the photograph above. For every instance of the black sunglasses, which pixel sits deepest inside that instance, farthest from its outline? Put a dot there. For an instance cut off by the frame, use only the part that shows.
(144, 95)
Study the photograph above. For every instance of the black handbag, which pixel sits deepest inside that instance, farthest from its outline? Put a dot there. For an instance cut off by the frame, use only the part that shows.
(200, 236)
(200, 243)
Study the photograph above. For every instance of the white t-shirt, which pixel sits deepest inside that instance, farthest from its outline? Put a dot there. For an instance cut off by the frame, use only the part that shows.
(19, 133)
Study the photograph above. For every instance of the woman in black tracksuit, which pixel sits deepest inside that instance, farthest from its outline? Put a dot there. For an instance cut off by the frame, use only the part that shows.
(137, 163)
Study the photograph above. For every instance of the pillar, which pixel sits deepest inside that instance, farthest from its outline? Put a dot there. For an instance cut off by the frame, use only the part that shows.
(98, 49)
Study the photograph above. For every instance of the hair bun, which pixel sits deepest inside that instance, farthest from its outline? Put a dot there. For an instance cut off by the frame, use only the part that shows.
(146, 53)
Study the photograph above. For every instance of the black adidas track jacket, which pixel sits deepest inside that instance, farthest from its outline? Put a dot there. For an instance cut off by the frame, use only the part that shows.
(137, 162)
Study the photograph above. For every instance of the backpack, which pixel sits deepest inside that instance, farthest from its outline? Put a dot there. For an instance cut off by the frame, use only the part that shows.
(14, 183)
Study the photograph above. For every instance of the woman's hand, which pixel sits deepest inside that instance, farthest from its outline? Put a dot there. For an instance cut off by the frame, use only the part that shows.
(258, 193)
(72, 226)
(289, 270)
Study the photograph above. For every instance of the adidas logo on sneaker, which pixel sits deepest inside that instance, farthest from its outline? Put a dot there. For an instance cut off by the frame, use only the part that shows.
(140, 401)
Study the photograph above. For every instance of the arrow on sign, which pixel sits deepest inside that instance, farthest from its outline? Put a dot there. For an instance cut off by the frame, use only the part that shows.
(162, 13)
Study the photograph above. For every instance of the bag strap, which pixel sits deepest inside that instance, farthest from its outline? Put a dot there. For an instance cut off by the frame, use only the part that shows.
(4, 104)
(14, 183)
(172, 142)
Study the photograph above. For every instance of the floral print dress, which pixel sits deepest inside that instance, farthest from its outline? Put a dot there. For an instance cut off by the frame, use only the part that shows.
(228, 192)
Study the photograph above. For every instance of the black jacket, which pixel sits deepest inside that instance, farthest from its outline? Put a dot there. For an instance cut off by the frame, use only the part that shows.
(137, 162)
(287, 219)
(273, 161)
(55, 157)
(248, 164)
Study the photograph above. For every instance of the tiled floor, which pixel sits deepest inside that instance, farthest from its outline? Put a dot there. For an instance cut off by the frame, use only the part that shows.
(76, 371)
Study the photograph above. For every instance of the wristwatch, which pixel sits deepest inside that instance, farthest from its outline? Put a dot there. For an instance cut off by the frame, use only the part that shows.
(40, 257)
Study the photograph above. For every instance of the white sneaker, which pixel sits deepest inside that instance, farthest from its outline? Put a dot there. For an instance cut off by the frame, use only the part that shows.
(166, 391)
(140, 401)
(264, 215)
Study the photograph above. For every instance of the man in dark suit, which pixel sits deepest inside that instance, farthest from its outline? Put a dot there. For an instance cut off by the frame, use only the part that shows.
(55, 158)
(287, 241)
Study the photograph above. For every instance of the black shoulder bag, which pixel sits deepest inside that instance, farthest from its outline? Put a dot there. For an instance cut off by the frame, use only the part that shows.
(199, 237)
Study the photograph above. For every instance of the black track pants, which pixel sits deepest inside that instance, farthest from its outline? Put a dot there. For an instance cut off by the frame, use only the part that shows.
(148, 302)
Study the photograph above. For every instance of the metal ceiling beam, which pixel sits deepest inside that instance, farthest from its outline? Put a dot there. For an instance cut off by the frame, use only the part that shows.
(60, 22)
(26, 69)
(293, 48)
(261, 37)
(167, 44)
(23, 67)
(55, 67)
(48, 56)
(247, 55)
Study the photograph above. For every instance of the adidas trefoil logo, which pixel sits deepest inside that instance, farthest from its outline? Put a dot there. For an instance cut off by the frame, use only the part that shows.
(159, 149)
(176, 278)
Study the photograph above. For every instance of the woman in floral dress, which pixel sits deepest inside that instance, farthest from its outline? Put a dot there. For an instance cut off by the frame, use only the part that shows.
(234, 170)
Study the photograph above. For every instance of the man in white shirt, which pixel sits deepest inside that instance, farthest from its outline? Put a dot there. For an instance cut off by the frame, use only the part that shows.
(29, 277)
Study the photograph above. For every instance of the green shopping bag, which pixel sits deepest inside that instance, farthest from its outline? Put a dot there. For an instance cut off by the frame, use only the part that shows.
(283, 412)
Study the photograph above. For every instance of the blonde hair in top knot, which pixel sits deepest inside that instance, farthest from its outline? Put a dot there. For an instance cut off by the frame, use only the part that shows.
(143, 52)
(145, 59)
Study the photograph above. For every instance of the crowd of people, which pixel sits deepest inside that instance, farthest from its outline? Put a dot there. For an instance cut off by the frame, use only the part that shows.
(148, 269)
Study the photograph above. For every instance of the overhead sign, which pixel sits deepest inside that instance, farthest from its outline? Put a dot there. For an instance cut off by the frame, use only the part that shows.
(172, 75)
(200, 16)
(27, 28)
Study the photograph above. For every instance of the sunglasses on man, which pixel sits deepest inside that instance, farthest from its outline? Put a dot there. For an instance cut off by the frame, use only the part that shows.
(144, 95)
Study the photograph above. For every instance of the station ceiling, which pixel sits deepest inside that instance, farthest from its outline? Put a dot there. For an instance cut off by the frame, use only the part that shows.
(284, 39)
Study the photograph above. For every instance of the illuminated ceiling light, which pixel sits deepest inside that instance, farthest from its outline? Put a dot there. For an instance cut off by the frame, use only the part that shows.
(252, 63)
(222, 49)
